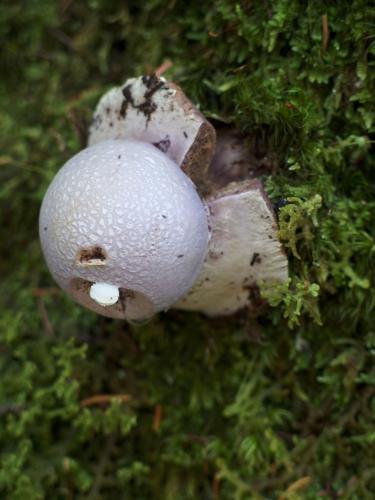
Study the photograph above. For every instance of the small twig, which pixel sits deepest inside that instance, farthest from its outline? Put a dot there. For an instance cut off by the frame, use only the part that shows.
(99, 399)
(43, 292)
(165, 66)
(158, 414)
(216, 486)
(325, 32)
(296, 486)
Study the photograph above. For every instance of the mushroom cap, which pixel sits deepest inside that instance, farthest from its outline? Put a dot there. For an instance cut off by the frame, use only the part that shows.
(153, 110)
(244, 251)
(122, 213)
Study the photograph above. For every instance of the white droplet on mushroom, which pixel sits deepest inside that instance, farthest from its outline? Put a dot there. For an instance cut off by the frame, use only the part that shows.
(104, 294)
(123, 214)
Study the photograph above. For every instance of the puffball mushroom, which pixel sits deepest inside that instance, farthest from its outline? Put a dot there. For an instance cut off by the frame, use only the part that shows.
(122, 221)
(136, 223)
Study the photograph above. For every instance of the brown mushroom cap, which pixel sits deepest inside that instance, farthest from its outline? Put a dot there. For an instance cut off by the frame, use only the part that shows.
(153, 110)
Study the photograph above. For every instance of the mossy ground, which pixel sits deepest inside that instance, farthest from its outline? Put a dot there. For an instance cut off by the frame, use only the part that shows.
(281, 406)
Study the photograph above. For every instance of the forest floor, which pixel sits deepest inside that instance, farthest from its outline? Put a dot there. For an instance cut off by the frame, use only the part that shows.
(273, 406)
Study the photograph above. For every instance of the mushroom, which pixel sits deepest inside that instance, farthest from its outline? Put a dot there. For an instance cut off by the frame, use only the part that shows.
(121, 213)
(243, 251)
(153, 110)
(133, 224)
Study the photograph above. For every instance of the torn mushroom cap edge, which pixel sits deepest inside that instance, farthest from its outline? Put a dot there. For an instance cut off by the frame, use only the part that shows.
(153, 110)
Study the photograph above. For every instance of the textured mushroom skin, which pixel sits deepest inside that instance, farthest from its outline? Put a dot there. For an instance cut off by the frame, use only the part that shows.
(129, 204)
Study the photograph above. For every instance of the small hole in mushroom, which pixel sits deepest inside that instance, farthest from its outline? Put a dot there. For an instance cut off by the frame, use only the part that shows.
(91, 256)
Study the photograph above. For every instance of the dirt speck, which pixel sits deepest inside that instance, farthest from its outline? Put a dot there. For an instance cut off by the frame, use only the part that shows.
(96, 122)
(255, 259)
(148, 106)
(163, 145)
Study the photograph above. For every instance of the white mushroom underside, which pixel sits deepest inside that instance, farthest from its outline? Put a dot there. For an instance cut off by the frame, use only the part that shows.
(243, 251)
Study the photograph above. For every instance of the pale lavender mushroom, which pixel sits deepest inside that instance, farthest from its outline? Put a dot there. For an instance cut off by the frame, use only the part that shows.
(121, 213)
(124, 230)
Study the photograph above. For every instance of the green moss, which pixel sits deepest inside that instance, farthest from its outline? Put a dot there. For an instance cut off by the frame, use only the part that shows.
(250, 407)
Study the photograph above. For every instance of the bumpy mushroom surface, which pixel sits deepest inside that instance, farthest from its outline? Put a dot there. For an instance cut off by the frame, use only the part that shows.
(123, 214)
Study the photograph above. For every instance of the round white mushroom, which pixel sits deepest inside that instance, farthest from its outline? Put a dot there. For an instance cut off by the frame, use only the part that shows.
(123, 229)
(121, 215)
